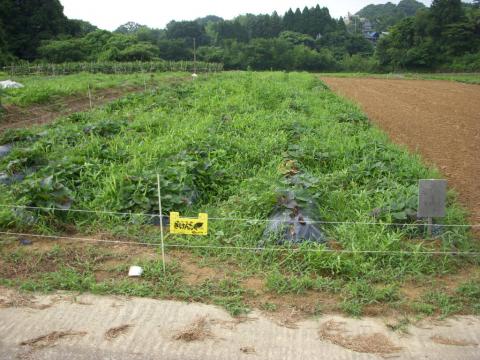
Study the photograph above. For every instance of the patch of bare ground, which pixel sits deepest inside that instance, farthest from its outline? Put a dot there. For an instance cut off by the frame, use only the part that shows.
(257, 285)
(198, 330)
(117, 331)
(285, 309)
(375, 343)
(17, 117)
(289, 309)
(195, 274)
(39, 257)
(414, 290)
(438, 119)
(437, 339)
(466, 273)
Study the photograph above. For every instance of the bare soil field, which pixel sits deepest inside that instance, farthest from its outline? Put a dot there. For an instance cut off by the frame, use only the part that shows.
(438, 119)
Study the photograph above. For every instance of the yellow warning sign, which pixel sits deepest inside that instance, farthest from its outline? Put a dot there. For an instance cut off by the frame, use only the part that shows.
(188, 226)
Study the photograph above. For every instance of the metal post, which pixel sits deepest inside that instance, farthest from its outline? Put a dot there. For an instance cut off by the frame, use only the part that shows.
(429, 227)
(161, 222)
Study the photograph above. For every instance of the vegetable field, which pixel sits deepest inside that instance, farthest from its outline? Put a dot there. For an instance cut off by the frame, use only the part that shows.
(240, 147)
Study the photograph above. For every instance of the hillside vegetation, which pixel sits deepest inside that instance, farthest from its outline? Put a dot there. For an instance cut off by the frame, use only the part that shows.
(383, 16)
(445, 36)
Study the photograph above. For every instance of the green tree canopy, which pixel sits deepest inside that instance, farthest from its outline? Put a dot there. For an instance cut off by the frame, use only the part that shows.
(28, 22)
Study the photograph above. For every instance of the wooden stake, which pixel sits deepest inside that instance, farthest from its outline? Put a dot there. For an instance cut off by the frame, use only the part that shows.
(90, 96)
(161, 222)
(430, 227)
(194, 56)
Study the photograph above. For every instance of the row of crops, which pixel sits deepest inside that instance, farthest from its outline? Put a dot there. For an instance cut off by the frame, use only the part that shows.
(110, 67)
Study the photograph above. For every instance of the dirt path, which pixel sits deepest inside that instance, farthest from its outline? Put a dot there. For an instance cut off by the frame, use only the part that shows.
(438, 119)
(17, 117)
(69, 326)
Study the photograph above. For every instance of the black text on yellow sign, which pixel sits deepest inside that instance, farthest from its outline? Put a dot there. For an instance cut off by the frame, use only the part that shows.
(188, 226)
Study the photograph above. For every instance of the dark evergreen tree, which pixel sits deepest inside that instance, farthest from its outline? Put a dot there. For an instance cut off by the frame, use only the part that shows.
(445, 12)
(187, 30)
(289, 20)
(28, 22)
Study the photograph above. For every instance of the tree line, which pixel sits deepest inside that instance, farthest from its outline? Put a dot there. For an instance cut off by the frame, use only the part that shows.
(447, 35)
(308, 39)
(383, 16)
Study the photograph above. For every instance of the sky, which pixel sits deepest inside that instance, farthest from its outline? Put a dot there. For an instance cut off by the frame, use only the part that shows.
(109, 14)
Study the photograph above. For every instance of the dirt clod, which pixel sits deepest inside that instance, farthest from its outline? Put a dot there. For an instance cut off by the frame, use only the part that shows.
(375, 343)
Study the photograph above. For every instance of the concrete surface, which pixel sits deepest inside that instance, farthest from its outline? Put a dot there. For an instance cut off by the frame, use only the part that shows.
(155, 323)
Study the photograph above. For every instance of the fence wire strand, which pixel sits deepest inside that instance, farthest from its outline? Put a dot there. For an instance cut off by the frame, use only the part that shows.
(243, 248)
(248, 221)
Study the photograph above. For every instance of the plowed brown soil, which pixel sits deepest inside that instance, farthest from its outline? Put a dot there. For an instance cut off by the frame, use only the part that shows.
(438, 119)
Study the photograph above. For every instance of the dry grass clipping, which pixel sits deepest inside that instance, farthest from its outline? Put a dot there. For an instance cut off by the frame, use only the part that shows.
(199, 330)
(248, 350)
(20, 300)
(375, 343)
(115, 332)
(447, 341)
(288, 319)
(50, 339)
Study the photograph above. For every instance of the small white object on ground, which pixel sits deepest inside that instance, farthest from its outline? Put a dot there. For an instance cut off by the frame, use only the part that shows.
(135, 271)
(194, 75)
(9, 84)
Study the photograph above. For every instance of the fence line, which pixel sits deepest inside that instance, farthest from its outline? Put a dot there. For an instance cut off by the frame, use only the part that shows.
(109, 67)
(246, 220)
(244, 248)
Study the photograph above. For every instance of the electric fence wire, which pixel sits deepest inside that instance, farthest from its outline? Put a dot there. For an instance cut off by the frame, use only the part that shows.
(242, 248)
(249, 221)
